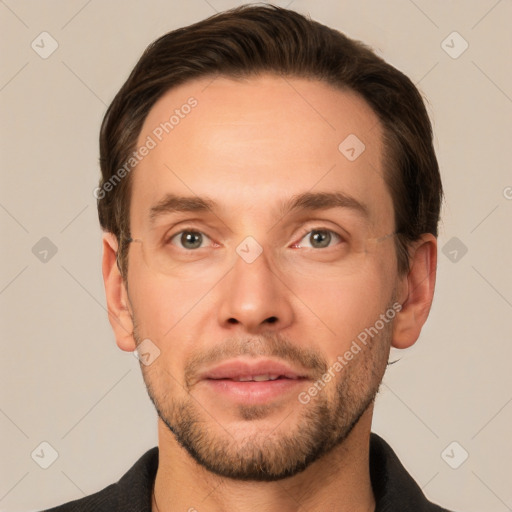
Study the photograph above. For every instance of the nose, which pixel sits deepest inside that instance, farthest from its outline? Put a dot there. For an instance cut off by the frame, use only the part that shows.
(255, 297)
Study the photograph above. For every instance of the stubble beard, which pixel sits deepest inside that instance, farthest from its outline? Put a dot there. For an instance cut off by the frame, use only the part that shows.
(322, 425)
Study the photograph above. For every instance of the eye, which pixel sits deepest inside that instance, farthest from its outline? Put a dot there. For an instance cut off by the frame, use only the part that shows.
(318, 239)
(188, 239)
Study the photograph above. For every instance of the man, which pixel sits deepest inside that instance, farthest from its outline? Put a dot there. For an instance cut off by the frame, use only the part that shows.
(269, 199)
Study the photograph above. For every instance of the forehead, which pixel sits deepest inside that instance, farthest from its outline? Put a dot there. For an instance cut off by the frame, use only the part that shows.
(255, 142)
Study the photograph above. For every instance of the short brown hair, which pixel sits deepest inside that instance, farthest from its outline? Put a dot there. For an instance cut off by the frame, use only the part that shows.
(250, 40)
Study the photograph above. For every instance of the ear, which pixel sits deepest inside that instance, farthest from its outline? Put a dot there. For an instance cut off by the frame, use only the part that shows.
(416, 292)
(117, 297)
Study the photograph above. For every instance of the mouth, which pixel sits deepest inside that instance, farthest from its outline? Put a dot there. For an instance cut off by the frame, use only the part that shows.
(256, 378)
(245, 370)
(253, 382)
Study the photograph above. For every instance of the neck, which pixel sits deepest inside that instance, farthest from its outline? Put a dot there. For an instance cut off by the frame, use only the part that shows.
(338, 481)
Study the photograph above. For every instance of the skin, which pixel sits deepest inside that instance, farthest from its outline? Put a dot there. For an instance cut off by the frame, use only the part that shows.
(249, 145)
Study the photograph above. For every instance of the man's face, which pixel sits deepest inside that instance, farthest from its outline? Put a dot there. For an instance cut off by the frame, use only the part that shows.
(227, 317)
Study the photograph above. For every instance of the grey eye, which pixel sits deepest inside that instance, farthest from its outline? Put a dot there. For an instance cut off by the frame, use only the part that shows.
(320, 239)
(190, 239)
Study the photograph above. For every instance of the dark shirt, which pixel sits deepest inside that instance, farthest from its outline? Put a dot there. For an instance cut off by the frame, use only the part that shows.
(393, 487)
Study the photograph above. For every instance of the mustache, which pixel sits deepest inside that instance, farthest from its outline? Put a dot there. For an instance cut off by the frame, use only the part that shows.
(269, 345)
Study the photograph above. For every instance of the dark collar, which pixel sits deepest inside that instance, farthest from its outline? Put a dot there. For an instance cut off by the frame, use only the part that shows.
(394, 489)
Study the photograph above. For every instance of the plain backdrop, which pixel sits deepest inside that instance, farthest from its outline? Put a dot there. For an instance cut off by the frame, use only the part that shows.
(65, 382)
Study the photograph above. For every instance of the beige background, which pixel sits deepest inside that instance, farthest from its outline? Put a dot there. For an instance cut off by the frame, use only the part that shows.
(64, 381)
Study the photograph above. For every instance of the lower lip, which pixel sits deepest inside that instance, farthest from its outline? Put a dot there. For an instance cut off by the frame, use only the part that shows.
(252, 392)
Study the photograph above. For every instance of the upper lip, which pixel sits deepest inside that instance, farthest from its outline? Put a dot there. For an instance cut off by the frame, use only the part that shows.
(238, 368)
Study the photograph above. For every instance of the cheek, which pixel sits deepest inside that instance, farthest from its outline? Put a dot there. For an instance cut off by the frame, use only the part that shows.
(167, 310)
(160, 305)
(166, 313)
(347, 305)
(158, 301)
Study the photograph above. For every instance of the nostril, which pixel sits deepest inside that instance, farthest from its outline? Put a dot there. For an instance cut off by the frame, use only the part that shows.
(271, 320)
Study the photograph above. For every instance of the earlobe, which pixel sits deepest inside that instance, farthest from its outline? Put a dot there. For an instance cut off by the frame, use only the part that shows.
(117, 298)
(417, 292)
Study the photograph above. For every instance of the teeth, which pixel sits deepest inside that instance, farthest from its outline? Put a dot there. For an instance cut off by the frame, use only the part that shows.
(258, 378)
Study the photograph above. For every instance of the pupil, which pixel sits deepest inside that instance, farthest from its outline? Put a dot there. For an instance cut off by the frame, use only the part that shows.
(191, 240)
(320, 238)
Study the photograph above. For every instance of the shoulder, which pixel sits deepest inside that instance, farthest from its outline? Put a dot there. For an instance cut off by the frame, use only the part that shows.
(393, 487)
(132, 493)
(103, 500)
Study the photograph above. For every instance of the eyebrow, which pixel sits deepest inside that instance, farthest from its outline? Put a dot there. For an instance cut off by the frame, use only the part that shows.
(323, 201)
(172, 203)
(307, 201)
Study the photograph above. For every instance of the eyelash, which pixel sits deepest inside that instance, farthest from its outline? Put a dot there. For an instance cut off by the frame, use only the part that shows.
(305, 232)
